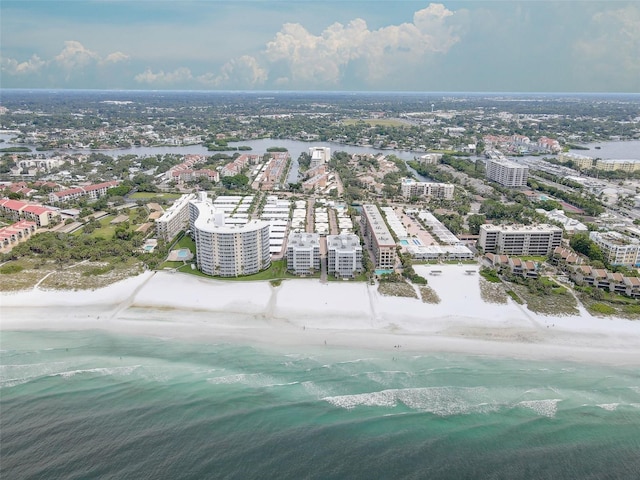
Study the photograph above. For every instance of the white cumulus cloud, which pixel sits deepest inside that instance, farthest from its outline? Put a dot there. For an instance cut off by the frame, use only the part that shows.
(298, 57)
(74, 59)
(31, 66)
(75, 55)
(610, 51)
(115, 57)
(242, 72)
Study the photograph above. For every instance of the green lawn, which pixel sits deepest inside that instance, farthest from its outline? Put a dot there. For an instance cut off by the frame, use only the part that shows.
(106, 229)
(186, 242)
(532, 258)
(149, 195)
(277, 270)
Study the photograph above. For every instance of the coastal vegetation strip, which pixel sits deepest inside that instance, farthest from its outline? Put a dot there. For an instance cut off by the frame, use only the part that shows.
(492, 292)
(604, 304)
(397, 289)
(556, 301)
(27, 273)
(429, 295)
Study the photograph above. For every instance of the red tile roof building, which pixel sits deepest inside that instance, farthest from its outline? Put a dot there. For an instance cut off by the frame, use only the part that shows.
(92, 191)
(17, 209)
(13, 234)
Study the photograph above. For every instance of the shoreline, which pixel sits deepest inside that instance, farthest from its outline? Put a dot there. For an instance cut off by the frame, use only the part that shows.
(304, 313)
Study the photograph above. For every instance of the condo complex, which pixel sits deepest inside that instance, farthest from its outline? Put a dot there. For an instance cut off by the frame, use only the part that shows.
(227, 250)
(519, 239)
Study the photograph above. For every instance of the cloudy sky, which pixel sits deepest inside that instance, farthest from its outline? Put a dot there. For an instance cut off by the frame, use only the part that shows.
(382, 45)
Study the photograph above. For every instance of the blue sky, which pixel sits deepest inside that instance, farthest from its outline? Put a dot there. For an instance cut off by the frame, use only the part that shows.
(517, 46)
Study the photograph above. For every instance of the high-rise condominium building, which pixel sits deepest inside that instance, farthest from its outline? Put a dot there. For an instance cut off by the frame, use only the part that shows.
(377, 237)
(175, 218)
(303, 253)
(519, 239)
(344, 255)
(506, 172)
(227, 250)
(319, 156)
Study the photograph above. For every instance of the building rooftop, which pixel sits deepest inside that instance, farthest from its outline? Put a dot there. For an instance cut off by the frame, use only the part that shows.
(378, 226)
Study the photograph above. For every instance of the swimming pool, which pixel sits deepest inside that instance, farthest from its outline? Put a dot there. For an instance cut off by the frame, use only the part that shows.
(404, 242)
(183, 254)
(381, 271)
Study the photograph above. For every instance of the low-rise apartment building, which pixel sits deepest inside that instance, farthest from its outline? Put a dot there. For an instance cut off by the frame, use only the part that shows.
(615, 164)
(93, 192)
(581, 162)
(617, 248)
(15, 209)
(411, 188)
(13, 234)
(430, 158)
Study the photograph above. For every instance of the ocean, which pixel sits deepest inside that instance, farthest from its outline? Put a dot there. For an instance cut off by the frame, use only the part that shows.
(96, 405)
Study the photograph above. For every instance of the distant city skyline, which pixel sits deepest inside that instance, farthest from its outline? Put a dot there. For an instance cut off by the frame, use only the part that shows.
(463, 46)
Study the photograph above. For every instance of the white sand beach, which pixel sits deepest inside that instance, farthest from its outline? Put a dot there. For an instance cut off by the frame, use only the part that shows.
(306, 312)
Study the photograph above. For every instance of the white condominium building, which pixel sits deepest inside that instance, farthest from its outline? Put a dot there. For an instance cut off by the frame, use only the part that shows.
(411, 188)
(226, 250)
(303, 253)
(506, 172)
(175, 218)
(519, 239)
(569, 224)
(377, 237)
(430, 158)
(618, 249)
(319, 156)
(344, 255)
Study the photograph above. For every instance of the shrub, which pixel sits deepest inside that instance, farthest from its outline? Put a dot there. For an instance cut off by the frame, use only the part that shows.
(490, 275)
(631, 309)
(602, 308)
(515, 297)
(98, 271)
(11, 268)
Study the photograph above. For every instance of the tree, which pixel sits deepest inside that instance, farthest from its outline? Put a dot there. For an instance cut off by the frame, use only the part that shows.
(391, 190)
(475, 221)
(235, 181)
(580, 243)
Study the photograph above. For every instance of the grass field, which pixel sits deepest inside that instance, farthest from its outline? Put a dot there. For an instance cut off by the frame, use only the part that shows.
(148, 195)
(277, 270)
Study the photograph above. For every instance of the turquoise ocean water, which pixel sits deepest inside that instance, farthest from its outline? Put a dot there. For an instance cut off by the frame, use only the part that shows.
(91, 405)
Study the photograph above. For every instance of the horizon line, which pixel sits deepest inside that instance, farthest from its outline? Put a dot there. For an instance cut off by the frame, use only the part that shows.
(394, 92)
